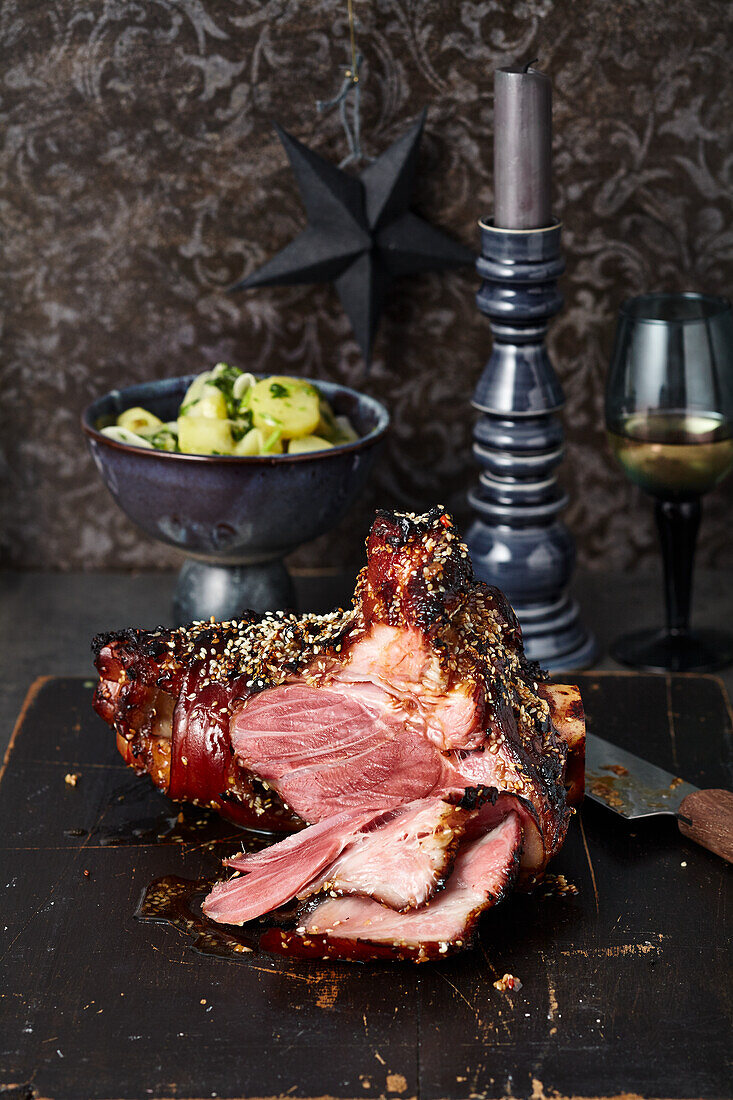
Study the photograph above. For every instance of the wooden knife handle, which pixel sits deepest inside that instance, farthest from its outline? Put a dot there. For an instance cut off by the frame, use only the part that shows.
(707, 818)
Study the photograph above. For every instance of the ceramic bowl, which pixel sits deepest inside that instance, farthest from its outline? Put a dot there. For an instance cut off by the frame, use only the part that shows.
(235, 518)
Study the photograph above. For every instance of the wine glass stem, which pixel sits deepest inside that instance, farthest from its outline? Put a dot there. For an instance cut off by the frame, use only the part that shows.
(678, 523)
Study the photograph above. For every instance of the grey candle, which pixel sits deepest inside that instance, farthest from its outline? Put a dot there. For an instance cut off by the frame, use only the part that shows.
(522, 148)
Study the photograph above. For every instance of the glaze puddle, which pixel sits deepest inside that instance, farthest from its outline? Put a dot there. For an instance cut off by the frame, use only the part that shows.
(200, 827)
(177, 901)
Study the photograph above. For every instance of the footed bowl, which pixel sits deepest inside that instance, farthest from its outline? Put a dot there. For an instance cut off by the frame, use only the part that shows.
(235, 518)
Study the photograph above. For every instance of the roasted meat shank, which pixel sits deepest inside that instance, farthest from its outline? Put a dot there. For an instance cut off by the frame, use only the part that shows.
(420, 758)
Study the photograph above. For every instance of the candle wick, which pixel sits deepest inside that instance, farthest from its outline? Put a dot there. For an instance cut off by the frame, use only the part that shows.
(526, 67)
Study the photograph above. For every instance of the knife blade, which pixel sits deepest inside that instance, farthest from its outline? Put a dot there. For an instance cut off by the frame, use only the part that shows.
(628, 785)
(634, 789)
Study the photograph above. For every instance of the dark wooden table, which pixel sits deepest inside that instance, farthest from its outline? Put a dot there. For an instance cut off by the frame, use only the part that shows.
(627, 984)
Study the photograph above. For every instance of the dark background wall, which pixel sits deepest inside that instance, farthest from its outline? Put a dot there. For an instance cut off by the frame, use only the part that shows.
(140, 176)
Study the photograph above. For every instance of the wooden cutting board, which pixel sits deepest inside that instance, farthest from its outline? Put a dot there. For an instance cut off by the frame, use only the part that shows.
(626, 984)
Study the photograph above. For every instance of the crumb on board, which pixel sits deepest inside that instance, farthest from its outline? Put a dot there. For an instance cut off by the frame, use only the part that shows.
(72, 778)
(508, 984)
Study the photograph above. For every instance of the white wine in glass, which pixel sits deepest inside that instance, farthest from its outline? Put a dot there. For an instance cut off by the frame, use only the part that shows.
(673, 453)
(669, 415)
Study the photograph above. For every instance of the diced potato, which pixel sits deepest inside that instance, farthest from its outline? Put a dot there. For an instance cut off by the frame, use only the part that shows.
(346, 431)
(249, 444)
(194, 390)
(258, 442)
(204, 435)
(227, 411)
(211, 404)
(137, 420)
(308, 443)
(285, 403)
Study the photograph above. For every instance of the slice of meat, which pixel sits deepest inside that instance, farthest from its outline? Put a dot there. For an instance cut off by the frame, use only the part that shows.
(492, 767)
(275, 876)
(400, 857)
(358, 928)
(324, 751)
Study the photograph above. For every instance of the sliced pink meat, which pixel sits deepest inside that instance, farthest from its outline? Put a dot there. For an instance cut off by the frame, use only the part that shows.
(483, 871)
(276, 875)
(325, 751)
(399, 859)
(399, 669)
(497, 767)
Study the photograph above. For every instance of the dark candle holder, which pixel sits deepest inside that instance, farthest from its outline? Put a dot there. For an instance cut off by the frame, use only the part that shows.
(518, 541)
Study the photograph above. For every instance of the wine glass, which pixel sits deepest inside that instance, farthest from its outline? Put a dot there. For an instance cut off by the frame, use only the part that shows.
(669, 414)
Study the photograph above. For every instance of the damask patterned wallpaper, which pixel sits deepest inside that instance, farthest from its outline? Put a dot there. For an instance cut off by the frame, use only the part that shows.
(140, 176)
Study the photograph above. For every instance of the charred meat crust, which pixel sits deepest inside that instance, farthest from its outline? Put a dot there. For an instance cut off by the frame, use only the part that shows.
(568, 719)
(473, 797)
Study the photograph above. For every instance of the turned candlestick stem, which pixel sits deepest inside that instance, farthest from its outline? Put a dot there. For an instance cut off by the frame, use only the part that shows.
(517, 540)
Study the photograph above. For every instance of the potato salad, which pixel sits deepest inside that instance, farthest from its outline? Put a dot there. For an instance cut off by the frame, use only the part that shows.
(228, 412)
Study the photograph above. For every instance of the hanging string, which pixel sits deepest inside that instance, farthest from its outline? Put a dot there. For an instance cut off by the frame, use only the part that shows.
(352, 40)
(349, 94)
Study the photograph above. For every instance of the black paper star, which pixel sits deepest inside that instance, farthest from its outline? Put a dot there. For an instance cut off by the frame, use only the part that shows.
(361, 234)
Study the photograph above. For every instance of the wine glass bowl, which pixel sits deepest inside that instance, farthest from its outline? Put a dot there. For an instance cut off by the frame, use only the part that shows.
(234, 518)
(669, 416)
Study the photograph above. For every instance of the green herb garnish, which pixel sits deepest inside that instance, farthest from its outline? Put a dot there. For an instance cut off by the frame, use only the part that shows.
(242, 425)
(163, 440)
(225, 386)
(223, 378)
(272, 441)
(278, 390)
